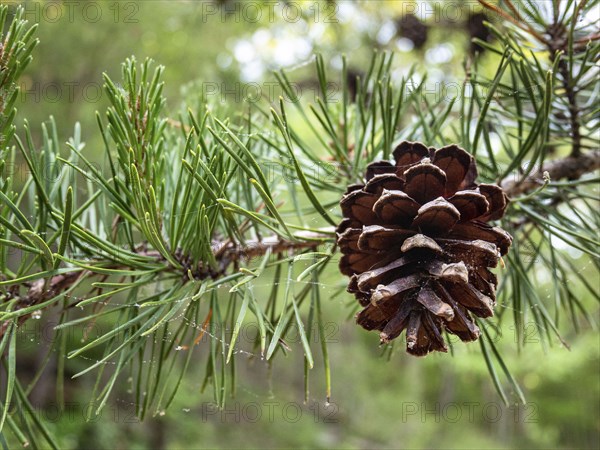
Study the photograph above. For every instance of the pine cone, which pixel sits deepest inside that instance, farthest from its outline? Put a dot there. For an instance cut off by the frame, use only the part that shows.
(477, 29)
(417, 248)
(410, 27)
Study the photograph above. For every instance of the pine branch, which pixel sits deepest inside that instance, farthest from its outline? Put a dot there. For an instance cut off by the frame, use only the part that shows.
(571, 168)
(558, 37)
(557, 44)
(227, 253)
(40, 291)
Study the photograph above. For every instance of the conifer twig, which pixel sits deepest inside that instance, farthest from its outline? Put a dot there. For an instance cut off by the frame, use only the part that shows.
(227, 253)
(571, 168)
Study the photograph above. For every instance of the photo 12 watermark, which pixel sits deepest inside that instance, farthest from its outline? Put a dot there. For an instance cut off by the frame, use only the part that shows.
(453, 412)
(269, 411)
(71, 11)
(77, 412)
(270, 11)
(60, 92)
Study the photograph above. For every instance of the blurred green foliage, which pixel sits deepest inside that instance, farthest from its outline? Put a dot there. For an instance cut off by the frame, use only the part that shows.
(437, 402)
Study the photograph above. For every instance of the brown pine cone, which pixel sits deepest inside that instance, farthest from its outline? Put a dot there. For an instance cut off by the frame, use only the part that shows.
(410, 27)
(417, 247)
(477, 29)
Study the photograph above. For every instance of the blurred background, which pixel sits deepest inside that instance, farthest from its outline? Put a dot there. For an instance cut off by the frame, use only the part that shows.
(225, 52)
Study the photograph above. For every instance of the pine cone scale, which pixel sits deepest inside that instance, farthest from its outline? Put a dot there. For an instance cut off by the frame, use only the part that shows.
(424, 182)
(436, 215)
(394, 206)
(471, 204)
(456, 164)
(430, 300)
(377, 238)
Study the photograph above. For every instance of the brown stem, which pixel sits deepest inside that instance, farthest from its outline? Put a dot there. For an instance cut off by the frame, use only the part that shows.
(570, 168)
(556, 45)
(226, 253)
(40, 291)
(522, 24)
(556, 41)
(573, 108)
